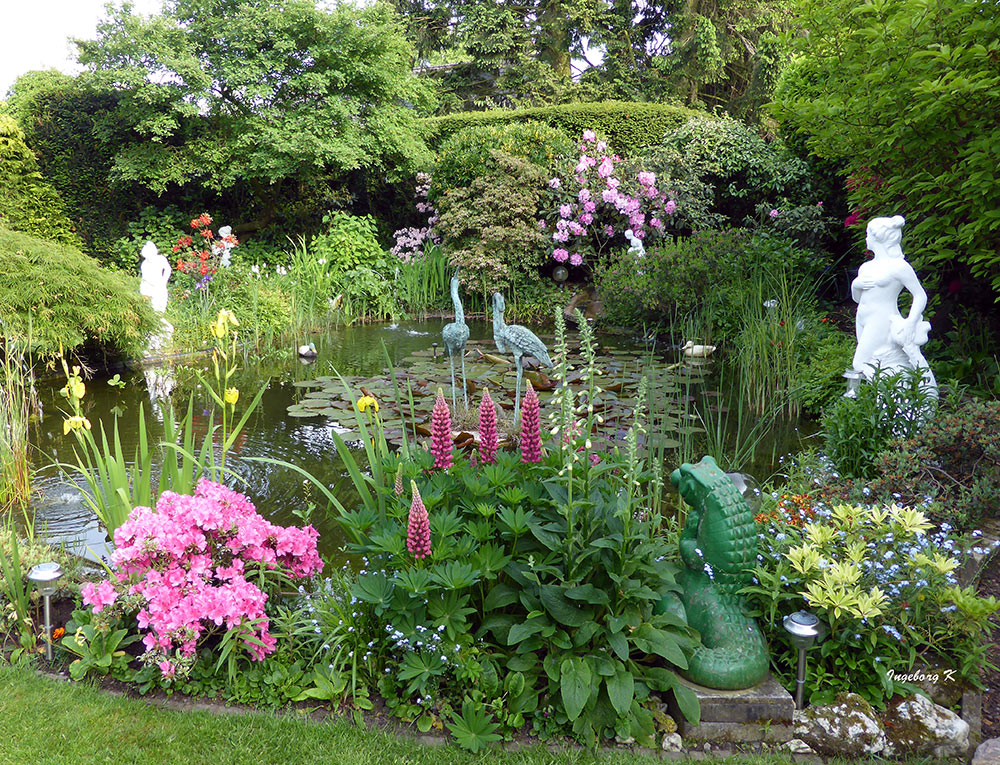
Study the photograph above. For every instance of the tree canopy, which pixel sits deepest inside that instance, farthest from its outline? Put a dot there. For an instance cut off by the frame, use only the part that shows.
(227, 92)
(906, 93)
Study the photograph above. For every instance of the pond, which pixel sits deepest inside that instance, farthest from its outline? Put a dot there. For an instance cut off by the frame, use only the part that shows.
(285, 428)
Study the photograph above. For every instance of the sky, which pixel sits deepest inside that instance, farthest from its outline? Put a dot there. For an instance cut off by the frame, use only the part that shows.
(34, 34)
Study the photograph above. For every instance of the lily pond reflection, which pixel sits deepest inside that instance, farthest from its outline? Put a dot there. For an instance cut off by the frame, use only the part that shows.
(298, 414)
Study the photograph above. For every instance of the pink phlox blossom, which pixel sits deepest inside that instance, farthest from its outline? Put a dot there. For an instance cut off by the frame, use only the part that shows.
(589, 206)
(601, 147)
(774, 214)
(610, 196)
(609, 230)
(613, 183)
(656, 223)
(581, 166)
(584, 195)
(576, 229)
(560, 255)
(560, 236)
(566, 210)
(586, 219)
(554, 183)
(575, 259)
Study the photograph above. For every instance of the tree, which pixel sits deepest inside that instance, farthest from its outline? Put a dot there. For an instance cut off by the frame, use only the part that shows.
(233, 93)
(906, 93)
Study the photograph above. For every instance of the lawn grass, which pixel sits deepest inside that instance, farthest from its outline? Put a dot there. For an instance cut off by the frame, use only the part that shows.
(44, 720)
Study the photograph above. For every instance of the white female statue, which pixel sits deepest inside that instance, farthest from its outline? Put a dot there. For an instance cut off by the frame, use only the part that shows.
(224, 245)
(886, 340)
(155, 271)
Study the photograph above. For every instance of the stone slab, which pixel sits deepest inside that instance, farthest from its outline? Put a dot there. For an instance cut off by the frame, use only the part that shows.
(766, 701)
(736, 733)
(972, 713)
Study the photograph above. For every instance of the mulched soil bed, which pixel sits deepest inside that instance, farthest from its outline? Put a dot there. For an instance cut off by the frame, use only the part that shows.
(989, 584)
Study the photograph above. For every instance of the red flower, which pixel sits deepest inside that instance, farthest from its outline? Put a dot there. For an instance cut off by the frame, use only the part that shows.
(203, 254)
(205, 219)
(194, 223)
(203, 270)
(180, 264)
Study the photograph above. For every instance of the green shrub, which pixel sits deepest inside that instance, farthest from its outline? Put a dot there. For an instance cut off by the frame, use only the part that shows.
(490, 228)
(744, 169)
(709, 273)
(628, 126)
(952, 466)
(819, 374)
(54, 295)
(469, 153)
(160, 226)
(880, 580)
(28, 202)
(857, 430)
(67, 123)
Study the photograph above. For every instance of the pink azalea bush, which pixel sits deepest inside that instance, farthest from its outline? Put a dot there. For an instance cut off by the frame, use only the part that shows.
(606, 203)
(192, 567)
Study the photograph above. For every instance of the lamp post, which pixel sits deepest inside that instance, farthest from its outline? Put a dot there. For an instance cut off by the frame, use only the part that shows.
(44, 576)
(804, 629)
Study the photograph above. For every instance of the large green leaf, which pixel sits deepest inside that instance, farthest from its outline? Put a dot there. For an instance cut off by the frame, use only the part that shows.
(561, 608)
(621, 689)
(575, 685)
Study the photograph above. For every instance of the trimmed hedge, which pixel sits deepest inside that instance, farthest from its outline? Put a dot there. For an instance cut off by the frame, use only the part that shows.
(628, 126)
(52, 293)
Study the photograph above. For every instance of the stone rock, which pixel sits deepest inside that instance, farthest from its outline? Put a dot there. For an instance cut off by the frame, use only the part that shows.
(797, 746)
(624, 741)
(672, 743)
(848, 727)
(988, 753)
(919, 727)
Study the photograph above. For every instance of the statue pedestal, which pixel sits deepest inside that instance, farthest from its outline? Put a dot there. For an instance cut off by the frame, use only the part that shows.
(759, 714)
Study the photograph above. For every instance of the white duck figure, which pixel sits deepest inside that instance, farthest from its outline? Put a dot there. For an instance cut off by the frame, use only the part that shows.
(697, 351)
(307, 351)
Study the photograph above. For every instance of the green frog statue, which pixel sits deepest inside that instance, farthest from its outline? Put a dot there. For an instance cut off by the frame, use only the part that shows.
(719, 549)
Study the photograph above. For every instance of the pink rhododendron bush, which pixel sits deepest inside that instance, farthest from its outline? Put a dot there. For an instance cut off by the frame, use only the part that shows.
(196, 565)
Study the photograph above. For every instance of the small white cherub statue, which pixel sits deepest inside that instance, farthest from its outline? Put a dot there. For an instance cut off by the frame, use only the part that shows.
(634, 244)
(223, 246)
(886, 339)
(155, 271)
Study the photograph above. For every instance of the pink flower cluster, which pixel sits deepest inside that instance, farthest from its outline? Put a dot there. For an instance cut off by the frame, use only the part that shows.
(186, 561)
(418, 527)
(647, 205)
(441, 432)
(531, 430)
(488, 439)
(409, 242)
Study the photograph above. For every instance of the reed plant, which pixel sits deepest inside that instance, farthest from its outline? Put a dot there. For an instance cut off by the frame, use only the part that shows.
(313, 284)
(16, 394)
(775, 311)
(424, 282)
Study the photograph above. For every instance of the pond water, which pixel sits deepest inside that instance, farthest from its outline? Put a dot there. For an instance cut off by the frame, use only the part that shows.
(358, 353)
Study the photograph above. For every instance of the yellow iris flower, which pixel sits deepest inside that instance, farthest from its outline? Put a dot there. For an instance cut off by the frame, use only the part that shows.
(75, 423)
(367, 401)
(232, 396)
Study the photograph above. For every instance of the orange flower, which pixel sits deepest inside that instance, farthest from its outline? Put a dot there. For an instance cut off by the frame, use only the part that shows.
(194, 223)
(57, 633)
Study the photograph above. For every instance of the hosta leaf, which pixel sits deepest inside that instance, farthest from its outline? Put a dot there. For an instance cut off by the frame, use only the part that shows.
(574, 685)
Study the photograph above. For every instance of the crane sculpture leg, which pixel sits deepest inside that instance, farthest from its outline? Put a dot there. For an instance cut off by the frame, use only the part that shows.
(451, 363)
(517, 386)
(465, 387)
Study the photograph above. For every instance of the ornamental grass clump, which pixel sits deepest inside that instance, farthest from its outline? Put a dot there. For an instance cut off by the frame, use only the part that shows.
(885, 582)
(441, 433)
(198, 565)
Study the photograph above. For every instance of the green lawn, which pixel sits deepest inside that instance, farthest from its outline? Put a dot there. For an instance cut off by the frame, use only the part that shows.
(44, 720)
